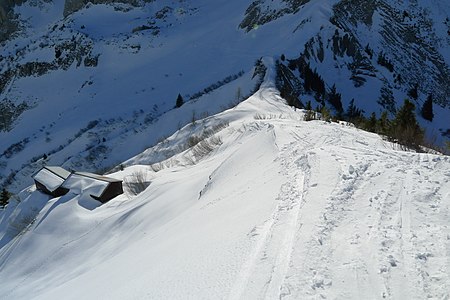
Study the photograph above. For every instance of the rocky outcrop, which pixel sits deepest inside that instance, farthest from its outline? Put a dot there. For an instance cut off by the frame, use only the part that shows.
(76, 51)
(8, 24)
(5, 8)
(9, 112)
(354, 12)
(408, 40)
(260, 13)
(406, 35)
(71, 6)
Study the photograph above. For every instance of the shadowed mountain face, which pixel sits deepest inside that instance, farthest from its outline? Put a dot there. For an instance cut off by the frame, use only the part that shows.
(260, 12)
(407, 34)
(80, 79)
(8, 19)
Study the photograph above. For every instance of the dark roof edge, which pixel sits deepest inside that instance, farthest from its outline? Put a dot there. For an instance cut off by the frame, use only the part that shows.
(98, 177)
(45, 167)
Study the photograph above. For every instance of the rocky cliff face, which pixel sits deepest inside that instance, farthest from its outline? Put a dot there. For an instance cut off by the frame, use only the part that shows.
(405, 35)
(261, 12)
(71, 6)
(8, 23)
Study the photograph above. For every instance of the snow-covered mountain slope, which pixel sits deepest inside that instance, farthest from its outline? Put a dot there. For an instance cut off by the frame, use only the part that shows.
(268, 207)
(90, 86)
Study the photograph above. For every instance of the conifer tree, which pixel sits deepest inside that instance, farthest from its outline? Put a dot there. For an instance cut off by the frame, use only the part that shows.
(309, 114)
(383, 61)
(413, 92)
(371, 123)
(369, 51)
(308, 105)
(405, 129)
(427, 109)
(326, 115)
(4, 198)
(318, 84)
(383, 124)
(387, 100)
(405, 115)
(308, 78)
(180, 101)
(318, 108)
(352, 112)
(335, 99)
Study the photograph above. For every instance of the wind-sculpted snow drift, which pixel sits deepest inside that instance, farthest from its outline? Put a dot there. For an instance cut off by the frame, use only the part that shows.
(280, 209)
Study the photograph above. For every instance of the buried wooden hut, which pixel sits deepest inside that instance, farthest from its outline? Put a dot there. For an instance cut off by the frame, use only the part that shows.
(99, 187)
(50, 179)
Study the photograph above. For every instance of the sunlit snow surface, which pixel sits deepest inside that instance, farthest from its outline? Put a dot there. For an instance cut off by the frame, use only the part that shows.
(282, 209)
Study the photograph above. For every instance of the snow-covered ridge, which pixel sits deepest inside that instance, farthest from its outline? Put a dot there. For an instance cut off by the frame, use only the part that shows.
(280, 208)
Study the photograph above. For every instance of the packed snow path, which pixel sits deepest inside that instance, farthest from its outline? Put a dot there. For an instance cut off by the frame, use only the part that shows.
(352, 222)
(282, 209)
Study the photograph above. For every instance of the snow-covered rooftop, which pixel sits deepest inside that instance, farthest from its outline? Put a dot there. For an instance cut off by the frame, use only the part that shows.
(61, 172)
(51, 177)
(78, 183)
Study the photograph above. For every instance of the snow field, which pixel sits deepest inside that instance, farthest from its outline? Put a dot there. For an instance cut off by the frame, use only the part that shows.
(281, 209)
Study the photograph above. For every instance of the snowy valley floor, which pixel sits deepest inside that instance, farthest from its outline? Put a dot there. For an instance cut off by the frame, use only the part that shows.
(282, 209)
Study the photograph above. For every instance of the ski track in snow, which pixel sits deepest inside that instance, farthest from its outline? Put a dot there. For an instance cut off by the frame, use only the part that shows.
(383, 259)
(378, 259)
(275, 237)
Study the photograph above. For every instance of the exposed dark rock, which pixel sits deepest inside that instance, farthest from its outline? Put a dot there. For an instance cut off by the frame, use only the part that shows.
(161, 14)
(406, 44)
(258, 13)
(91, 61)
(71, 6)
(289, 86)
(8, 22)
(354, 11)
(9, 112)
(5, 78)
(73, 50)
(35, 69)
(141, 28)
